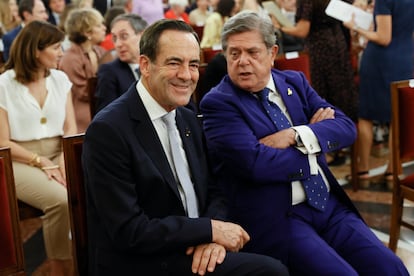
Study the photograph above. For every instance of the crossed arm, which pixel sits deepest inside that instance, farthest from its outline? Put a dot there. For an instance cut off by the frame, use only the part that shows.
(286, 138)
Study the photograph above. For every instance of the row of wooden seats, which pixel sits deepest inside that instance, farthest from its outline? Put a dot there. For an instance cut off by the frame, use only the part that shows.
(11, 245)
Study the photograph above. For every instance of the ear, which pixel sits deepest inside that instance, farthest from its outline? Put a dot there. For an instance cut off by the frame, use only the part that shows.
(274, 51)
(27, 16)
(88, 34)
(144, 65)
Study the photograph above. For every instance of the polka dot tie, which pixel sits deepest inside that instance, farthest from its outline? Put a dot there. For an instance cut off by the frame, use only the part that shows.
(316, 191)
(273, 111)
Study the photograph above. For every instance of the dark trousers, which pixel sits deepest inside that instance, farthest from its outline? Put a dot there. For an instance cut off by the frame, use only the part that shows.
(234, 264)
(337, 242)
(239, 264)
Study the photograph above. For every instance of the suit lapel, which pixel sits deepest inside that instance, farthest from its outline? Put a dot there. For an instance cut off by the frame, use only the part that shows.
(148, 139)
(188, 144)
(291, 99)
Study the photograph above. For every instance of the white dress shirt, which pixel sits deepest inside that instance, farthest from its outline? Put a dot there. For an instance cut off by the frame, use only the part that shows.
(156, 112)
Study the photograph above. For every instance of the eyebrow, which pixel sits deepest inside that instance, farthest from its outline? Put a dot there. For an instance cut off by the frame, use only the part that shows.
(181, 60)
(246, 49)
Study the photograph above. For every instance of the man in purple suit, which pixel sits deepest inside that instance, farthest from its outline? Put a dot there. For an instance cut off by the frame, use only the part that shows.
(267, 133)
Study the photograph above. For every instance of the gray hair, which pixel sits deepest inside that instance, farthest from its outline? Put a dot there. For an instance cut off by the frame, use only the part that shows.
(247, 21)
(137, 22)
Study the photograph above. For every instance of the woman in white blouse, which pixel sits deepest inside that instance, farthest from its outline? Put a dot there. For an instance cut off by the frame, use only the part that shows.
(36, 110)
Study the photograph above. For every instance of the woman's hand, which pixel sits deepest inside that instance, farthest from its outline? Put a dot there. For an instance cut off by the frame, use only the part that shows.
(52, 171)
(351, 24)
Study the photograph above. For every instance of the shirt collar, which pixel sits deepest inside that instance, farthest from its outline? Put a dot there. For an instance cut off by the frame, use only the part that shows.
(154, 109)
(271, 85)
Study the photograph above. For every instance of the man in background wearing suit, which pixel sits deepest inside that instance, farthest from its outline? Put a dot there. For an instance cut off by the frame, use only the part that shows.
(29, 10)
(267, 132)
(115, 77)
(149, 214)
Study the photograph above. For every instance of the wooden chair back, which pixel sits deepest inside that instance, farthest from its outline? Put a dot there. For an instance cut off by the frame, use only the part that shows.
(11, 248)
(199, 31)
(72, 148)
(402, 151)
(207, 54)
(1, 59)
(298, 61)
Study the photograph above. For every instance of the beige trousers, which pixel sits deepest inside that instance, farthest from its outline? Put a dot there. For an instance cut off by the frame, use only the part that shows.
(34, 188)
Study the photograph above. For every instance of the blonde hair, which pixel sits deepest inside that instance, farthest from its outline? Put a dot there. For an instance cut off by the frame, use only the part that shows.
(83, 3)
(7, 21)
(81, 21)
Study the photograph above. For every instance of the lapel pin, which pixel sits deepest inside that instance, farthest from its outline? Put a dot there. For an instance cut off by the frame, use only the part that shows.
(289, 92)
(187, 132)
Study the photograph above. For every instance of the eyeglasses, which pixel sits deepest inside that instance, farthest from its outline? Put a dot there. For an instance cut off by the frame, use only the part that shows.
(121, 37)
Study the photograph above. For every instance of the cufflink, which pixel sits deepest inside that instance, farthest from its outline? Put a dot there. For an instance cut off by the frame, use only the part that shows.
(298, 140)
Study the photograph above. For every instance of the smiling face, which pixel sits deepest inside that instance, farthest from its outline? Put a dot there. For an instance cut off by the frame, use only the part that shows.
(126, 41)
(172, 77)
(249, 61)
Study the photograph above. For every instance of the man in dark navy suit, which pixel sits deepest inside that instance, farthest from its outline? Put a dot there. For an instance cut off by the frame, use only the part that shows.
(115, 77)
(29, 10)
(147, 213)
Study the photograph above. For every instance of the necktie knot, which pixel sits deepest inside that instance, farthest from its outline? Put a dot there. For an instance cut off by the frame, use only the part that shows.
(264, 94)
(274, 112)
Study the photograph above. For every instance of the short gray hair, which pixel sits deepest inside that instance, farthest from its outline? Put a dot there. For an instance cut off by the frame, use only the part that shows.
(137, 23)
(246, 21)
